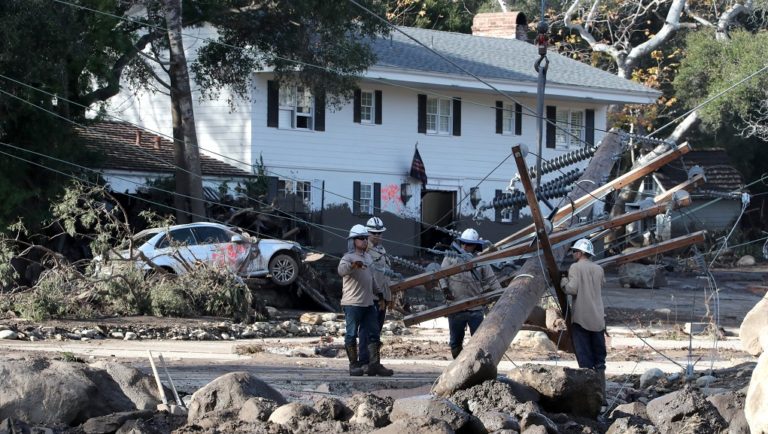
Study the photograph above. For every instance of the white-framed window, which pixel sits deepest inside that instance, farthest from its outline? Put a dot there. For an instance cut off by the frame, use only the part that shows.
(366, 199)
(296, 108)
(649, 186)
(569, 133)
(508, 119)
(302, 189)
(367, 107)
(439, 116)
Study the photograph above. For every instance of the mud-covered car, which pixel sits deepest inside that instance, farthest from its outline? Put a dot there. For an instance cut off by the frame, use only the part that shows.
(175, 249)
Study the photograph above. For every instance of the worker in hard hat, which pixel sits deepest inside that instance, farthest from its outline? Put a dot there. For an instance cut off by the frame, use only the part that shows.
(466, 285)
(585, 283)
(381, 266)
(357, 300)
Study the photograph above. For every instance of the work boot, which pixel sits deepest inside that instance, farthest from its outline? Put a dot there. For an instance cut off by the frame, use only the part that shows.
(455, 352)
(601, 380)
(374, 366)
(354, 367)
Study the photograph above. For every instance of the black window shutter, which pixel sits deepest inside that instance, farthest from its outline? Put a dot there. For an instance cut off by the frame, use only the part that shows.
(497, 213)
(377, 108)
(551, 122)
(499, 117)
(518, 119)
(356, 107)
(356, 198)
(589, 128)
(271, 188)
(376, 198)
(320, 111)
(422, 117)
(273, 96)
(456, 116)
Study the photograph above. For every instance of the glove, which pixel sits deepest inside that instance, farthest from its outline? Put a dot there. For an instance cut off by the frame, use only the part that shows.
(448, 294)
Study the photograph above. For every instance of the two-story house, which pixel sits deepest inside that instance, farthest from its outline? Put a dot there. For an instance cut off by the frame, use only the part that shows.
(464, 100)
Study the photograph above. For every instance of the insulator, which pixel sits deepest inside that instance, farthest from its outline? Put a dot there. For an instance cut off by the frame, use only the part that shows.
(451, 232)
(644, 139)
(564, 160)
(406, 263)
(557, 187)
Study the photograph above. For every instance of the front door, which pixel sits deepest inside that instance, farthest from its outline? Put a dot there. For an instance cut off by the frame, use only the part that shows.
(438, 208)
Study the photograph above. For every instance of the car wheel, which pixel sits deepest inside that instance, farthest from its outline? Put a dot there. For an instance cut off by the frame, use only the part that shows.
(284, 269)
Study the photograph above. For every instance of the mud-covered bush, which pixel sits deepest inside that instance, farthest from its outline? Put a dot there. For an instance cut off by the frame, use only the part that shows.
(125, 293)
(54, 296)
(202, 291)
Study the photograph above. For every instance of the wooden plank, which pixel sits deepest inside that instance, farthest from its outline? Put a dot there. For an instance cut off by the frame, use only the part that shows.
(541, 229)
(688, 185)
(600, 192)
(664, 246)
(521, 249)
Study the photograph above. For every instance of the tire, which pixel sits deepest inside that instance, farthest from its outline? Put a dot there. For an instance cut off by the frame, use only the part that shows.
(283, 269)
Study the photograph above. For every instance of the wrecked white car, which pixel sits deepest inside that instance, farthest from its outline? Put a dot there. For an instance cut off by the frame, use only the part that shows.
(175, 249)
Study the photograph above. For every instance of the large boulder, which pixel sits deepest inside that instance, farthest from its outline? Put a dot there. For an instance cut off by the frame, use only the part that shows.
(370, 410)
(642, 276)
(50, 392)
(495, 395)
(562, 389)
(140, 388)
(728, 404)
(230, 392)
(754, 329)
(430, 407)
(290, 414)
(756, 406)
(685, 410)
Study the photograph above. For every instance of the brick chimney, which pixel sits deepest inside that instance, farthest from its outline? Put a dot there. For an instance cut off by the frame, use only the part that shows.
(510, 25)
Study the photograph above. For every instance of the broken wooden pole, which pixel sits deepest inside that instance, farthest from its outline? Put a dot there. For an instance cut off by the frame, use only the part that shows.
(479, 359)
(542, 235)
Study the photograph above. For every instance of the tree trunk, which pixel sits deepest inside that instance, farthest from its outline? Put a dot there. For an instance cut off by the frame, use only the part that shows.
(479, 360)
(184, 97)
(181, 198)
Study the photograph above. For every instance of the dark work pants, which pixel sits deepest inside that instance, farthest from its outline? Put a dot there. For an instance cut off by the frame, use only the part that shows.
(589, 347)
(355, 317)
(458, 322)
(362, 352)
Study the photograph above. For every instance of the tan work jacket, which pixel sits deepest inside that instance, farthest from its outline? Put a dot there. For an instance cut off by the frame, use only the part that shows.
(380, 264)
(585, 282)
(358, 285)
(469, 283)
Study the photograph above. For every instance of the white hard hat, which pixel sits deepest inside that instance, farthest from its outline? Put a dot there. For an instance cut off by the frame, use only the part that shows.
(358, 231)
(470, 236)
(585, 246)
(375, 225)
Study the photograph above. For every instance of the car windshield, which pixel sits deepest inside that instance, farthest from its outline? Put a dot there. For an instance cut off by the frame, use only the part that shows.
(140, 239)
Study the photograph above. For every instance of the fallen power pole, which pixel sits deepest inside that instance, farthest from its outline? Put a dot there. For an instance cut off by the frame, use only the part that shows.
(479, 359)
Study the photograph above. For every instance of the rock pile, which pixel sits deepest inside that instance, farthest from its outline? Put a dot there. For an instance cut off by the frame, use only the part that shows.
(313, 325)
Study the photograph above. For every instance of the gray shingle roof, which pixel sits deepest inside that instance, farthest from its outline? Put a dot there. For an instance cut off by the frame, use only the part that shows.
(491, 58)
